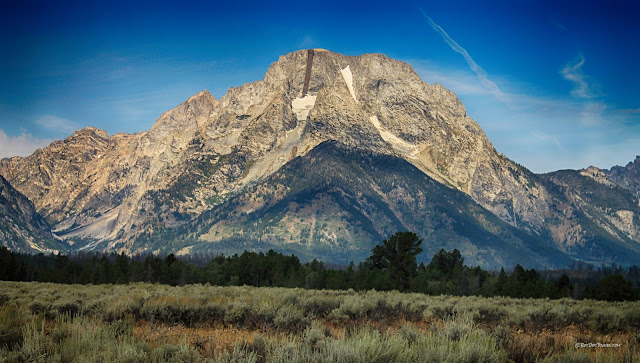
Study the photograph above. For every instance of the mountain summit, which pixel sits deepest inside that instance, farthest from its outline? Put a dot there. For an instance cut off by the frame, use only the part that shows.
(324, 157)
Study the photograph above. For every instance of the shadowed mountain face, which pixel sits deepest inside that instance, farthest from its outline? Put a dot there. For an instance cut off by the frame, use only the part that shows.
(246, 173)
(336, 203)
(21, 227)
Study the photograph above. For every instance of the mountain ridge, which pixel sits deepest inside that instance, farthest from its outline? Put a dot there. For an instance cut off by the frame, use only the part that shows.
(121, 189)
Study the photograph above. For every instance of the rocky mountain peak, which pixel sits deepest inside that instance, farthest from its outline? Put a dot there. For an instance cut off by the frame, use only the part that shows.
(188, 116)
(597, 174)
(89, 131)
(627, 176)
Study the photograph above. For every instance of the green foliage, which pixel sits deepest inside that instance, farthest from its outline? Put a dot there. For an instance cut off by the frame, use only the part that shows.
(391, 266)
(446, 263)
(175, 354)
(290, 318)
(11, 321)
(397, 255)
(81, 340)
(614, 288)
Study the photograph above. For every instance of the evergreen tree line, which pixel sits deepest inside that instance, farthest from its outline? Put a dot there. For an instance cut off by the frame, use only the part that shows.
(391, 266)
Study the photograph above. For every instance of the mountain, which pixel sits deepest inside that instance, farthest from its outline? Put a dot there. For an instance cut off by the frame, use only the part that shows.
(90, 186)
(627, 177)
(21, 227)
(243, 172)
(336, 202)
(601, 220)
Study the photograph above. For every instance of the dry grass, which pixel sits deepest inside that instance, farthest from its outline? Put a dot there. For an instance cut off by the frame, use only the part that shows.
(209, 341)
(242, 323)
(530, 346)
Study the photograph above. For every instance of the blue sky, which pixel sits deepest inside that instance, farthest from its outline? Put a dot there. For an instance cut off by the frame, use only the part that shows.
(554, 84)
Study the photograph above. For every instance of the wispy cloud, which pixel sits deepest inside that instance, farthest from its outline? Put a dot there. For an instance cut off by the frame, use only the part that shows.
(57, 124)
(582, 87)
(538, 128)
(22, 145)
(480, 73)
(307, 42)
(585, 91)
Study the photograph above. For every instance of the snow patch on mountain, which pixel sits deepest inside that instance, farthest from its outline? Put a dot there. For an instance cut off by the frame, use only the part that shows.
(348, 79)
(397, 143)
(302, 106)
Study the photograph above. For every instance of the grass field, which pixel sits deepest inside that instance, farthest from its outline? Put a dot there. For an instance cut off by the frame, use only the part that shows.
(159, 323)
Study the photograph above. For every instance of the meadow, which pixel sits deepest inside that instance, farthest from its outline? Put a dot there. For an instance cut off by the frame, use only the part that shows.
(141, 322)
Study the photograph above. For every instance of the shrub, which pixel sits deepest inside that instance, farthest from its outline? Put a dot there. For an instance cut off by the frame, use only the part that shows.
(290, 318)
(235, 313)
(91, 323)
(120, 306)
(69, 307)
(320, 306)
(259, 347)
(314, 336)
(177, 354)
(337, 316)
(37, 307)
(3, 299)
(11, 323)
(458, 327)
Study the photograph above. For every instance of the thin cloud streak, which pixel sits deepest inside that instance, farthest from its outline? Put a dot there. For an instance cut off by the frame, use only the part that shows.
(481, 73)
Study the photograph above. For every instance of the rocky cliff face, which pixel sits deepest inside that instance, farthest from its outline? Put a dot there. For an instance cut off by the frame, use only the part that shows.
(114, 191)
(21, 227)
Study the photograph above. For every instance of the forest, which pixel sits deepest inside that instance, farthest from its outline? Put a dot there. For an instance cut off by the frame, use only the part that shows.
(269, 307)
(391, 266)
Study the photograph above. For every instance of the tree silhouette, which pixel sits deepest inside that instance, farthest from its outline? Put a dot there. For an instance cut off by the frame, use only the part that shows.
(614, 288)
(444, 263)
(398, 256)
